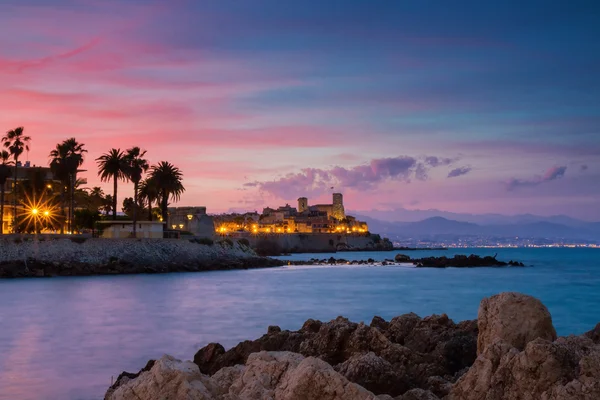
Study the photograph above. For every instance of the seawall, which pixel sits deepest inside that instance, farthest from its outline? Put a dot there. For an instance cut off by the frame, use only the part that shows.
(314, 242)
(78, 256)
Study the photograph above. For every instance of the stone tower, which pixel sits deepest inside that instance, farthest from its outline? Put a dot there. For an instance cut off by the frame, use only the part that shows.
(302, 204)
(338, 206)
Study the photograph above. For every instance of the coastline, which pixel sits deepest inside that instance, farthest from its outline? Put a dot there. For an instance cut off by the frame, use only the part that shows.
(76, 257)
(510, 351)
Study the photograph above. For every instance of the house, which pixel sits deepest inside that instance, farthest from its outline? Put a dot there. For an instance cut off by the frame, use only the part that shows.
(124, 229)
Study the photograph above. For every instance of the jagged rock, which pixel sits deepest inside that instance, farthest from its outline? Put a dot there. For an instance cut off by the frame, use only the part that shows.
(287, 376)
(439, 348)
(168, 378)
(594, 334)
(276, 375)
(566, 369)
(379, 323)
(418, 394)
(402, 258)
(515, 318)
(375, 374)
(400, 327)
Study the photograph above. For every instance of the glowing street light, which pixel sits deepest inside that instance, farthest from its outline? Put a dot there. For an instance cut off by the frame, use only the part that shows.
(46, 213)
(34, 211)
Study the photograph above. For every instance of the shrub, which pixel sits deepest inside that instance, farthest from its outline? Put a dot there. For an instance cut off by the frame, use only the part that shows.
(78, 240)
(244, 241)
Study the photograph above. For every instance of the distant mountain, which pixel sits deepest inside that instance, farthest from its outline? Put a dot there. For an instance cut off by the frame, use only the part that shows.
(442, 226)
(403, 215)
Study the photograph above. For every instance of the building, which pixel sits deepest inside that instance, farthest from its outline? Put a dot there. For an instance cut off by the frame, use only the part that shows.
(193, 220)
(319, 218)
(25, 172)
(333, 210)
(124, 229)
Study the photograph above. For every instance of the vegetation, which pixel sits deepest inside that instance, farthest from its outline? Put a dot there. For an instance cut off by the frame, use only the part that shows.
(112, 165)
(4, 175)
(66, 159)
(135, 165)
(45, 197)
(167, 178)
(16, 142)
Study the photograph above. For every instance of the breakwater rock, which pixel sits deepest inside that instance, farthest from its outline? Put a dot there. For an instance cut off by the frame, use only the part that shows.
(77, 257)
(510, 352)
(459, 261)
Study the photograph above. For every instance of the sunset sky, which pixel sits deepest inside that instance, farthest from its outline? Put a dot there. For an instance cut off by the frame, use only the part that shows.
(468, 106)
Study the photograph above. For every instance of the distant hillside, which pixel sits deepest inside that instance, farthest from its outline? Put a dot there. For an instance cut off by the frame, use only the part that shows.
(403, 215)
(443, 226)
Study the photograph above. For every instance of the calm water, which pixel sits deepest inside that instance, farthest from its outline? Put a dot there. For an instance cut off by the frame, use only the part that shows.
(63, 338)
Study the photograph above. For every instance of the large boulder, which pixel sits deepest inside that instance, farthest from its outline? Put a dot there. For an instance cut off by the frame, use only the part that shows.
(168, 378)
(567, 369)
(515, 318)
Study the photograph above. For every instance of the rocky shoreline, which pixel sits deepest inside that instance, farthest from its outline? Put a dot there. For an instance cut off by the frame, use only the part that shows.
(76, 257)
(510, 352)
(458, 261)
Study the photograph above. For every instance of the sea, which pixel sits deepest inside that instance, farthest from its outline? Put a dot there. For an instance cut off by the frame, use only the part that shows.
(68, 338)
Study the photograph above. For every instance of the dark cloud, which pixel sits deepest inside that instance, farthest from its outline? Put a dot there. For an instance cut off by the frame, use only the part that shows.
(584, 167)
(314, 181)
(437, 161)
(551, 174)
(459, 171)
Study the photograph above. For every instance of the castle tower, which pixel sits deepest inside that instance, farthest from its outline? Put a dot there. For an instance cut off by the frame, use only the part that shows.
(302, 204)
(338, 206)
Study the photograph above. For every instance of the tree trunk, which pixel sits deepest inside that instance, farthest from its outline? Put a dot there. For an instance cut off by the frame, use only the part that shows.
(2, 210)
(135, 206)
(14, 192)
(164, 213)
(62, 206)
(149, 209)
(115, 199)
(71, 201)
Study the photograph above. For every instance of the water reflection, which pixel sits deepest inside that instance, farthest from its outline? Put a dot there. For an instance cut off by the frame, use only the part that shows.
(63, 338)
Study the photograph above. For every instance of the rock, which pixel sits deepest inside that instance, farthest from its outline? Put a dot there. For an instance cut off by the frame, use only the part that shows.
(402, 258)
(168, 378)
(208, 355)
(379, 323)
(515, 318)
(400, 327)
(418, 394)
(462, 261)
(594, 334)
(273, 329)
(275, 375)
(568, 368)
(288, 376)
(374, 374)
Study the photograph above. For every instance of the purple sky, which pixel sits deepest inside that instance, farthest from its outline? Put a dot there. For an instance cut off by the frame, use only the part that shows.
(466, 107)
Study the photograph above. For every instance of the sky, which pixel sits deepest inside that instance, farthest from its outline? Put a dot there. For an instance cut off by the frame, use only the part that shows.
(466, 106)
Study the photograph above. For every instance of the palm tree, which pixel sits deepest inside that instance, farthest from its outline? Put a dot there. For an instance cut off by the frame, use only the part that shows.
(168, 180)
(112, 165)
(5, 172)
(136, 165)
(16, 142)
(148, 193)
(67, 157)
